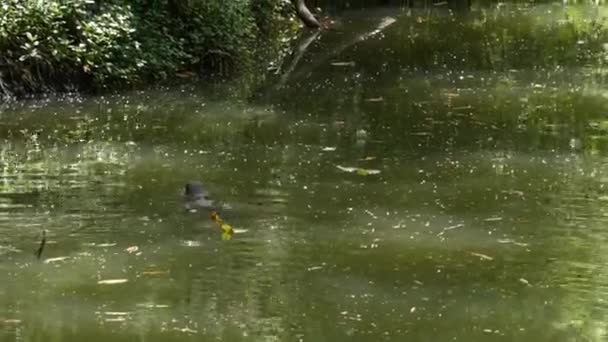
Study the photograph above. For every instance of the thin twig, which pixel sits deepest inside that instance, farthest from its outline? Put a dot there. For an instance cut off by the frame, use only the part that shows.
(42, 243)
(460, 225)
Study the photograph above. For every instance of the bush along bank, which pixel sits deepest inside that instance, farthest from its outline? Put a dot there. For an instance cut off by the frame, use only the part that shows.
(67, 45)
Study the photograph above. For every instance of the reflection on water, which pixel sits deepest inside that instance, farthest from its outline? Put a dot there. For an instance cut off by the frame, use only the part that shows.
(485, 221)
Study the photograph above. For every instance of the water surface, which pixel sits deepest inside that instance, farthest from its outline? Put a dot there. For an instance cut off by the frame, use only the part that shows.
(485, 222)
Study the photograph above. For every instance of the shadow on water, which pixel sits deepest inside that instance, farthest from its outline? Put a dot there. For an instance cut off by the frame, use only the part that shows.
(485, 221)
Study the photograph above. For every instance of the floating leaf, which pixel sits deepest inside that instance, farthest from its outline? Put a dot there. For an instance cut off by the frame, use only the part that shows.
(112, 281)
(155, 272)
(116, 313)
(493, 219)
(115, 319)
(314, 268)
(227, 230)
(51, 260)
(132, 249)
(482, 256)
(343, 64)
(358, 170)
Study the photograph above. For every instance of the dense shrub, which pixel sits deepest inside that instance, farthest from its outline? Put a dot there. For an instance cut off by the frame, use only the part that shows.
(102, 43)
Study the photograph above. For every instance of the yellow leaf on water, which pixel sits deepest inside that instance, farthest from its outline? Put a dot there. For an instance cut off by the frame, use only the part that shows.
(227, 228)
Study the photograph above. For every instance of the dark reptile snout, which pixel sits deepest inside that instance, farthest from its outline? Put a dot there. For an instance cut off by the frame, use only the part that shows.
(196, 196)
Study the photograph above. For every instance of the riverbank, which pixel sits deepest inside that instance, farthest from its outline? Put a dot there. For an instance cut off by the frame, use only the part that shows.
(90, 46)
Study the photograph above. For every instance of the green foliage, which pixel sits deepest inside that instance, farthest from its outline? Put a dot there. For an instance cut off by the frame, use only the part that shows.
(106, 43)
(59, 42)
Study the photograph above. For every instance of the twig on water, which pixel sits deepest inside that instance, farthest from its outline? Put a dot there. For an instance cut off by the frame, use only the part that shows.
(42, 243)
(460, 225)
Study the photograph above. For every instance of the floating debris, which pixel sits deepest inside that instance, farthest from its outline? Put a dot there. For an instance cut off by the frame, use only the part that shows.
(227, 230)
(374, 99)
(524, 281)
(358, 170)
(152, 306)
(513, 192)
(42, 243)
(186, 330)
(9, 249)
(493, 219)
(190, 243)
(132, 249)
(422, 134)
(118, 319)
(57, 259)
(112, 281)
(368, 158)
(155, 273)
(481, 256)
(314, 268)
(328, 149)
(116, 313)
(446, 229)
(343, 64)
(100, 245)
(521, 244)
(371, 214)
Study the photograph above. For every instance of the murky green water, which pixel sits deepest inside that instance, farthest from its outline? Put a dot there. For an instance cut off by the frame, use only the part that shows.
(485, 223)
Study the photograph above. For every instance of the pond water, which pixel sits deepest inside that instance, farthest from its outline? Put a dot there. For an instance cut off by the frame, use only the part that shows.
(441, 180)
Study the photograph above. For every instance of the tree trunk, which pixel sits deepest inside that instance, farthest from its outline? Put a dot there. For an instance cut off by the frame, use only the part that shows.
(304, 14)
